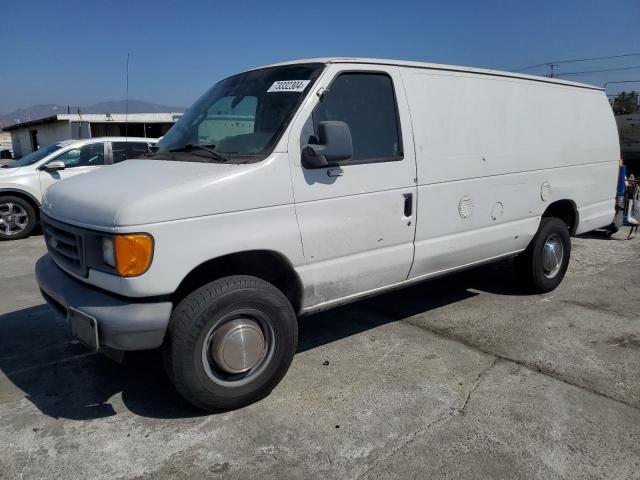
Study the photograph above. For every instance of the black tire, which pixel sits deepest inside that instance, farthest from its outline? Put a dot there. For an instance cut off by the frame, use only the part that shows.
(535, 275)
(24, 208)
(192, 323)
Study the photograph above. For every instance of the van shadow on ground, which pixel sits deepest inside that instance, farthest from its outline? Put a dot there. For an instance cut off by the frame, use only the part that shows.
(65, 381)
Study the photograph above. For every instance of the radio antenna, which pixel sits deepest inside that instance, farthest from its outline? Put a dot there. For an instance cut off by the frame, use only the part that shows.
(126, 103)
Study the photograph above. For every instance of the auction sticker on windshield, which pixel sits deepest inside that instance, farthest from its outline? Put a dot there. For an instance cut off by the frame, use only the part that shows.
(288, 86)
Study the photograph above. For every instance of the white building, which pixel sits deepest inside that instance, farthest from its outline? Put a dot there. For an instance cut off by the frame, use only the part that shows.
(31, 135)
(5, 146)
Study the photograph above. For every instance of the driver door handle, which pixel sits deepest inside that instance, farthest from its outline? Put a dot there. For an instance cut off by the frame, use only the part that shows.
(335, 172)
(408, 204)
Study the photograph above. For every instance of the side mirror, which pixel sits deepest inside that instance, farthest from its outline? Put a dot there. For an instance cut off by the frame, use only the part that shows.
(334, 144)
(54, 166)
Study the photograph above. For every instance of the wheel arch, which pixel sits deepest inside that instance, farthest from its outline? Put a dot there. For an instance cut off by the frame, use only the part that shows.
(567, 211)
(268, 265)
(25, 196)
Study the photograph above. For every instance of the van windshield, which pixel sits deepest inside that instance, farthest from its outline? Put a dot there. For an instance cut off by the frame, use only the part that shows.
(34, 157)
(241, 118)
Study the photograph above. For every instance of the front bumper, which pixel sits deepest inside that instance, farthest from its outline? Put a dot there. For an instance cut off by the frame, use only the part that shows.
(123, 323)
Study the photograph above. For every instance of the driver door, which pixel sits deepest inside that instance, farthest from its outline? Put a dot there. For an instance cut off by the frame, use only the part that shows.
(77, 160)
(356, 217)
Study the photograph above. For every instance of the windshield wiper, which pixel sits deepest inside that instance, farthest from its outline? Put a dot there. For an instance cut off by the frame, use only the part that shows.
(191, 147)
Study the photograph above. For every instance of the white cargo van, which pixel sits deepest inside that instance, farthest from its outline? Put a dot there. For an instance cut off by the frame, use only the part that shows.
(300, 186)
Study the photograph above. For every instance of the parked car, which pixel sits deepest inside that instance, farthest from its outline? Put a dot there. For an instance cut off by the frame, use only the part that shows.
(23, 181)
(298, 187)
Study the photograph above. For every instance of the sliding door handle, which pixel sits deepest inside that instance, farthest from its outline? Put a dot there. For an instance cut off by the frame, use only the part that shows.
(408, 204)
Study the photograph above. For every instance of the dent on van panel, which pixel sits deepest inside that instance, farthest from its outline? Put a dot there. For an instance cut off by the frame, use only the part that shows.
(446, 239)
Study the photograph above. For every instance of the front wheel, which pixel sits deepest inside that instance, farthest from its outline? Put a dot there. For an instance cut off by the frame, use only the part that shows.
(17, 218)
(230, 342)
(543, 264)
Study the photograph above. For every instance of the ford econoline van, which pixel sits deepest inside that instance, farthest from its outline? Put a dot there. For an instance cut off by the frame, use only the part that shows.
(297, 187)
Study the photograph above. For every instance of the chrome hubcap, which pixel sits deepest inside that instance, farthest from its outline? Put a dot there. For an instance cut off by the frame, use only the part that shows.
(13, 218)
(552, 255)
(238, 346)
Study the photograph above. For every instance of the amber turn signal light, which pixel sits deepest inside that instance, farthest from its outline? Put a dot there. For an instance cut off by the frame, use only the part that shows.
(133, 253)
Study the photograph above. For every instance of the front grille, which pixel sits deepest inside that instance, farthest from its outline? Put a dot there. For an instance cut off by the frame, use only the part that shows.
(64, 243)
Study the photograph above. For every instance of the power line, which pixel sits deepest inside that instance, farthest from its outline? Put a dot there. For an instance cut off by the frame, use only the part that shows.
(620, 81)
(546, 64)
(597, 71)
(530, 67)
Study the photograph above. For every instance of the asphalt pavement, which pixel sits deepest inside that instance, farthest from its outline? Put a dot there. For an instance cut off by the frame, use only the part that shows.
(462, 377)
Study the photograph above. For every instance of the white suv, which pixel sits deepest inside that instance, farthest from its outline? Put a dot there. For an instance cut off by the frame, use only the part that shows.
(23, 181)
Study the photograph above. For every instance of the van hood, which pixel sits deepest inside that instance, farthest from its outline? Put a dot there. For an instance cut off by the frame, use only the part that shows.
(139, 192)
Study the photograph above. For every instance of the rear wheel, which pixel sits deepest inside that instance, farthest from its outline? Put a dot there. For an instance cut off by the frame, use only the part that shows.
(17, 218)
(230, 342)
(544, 263)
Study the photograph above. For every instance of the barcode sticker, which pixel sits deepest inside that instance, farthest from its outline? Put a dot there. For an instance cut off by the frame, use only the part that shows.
(288, 86)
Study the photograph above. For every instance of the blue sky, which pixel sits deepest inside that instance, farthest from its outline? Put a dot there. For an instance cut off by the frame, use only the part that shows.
(74, 52)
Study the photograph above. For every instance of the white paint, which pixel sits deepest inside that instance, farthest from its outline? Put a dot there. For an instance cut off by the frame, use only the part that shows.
(353, 228)
(498, 139)
(468, 134)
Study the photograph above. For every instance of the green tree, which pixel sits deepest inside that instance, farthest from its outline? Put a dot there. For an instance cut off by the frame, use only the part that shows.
(625, 103)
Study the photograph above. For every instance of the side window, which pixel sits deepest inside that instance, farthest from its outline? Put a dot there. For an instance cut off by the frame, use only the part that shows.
(127, 150)
(70, 158)
(88, 156)
(366, 102)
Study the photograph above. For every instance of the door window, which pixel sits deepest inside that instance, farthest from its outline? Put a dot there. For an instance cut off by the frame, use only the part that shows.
(91, 155)
(127, 150)
(366, 103)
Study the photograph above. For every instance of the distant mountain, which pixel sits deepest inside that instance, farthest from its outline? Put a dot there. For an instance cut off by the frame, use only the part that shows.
(40, 111)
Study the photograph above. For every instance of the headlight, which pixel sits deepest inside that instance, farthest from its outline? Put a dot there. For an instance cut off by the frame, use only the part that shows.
(125, 254)
(132, 253)
(108, 255)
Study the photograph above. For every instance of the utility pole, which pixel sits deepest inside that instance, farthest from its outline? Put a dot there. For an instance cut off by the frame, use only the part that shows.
(551, 67)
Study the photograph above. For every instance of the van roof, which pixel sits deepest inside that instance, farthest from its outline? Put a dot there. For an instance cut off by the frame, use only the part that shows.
(437, 66)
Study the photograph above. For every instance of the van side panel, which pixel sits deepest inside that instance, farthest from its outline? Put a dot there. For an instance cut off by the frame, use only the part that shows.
(493, 153)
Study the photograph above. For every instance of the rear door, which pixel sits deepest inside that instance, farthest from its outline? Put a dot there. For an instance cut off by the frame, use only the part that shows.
(356, 217)
(77, 160)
